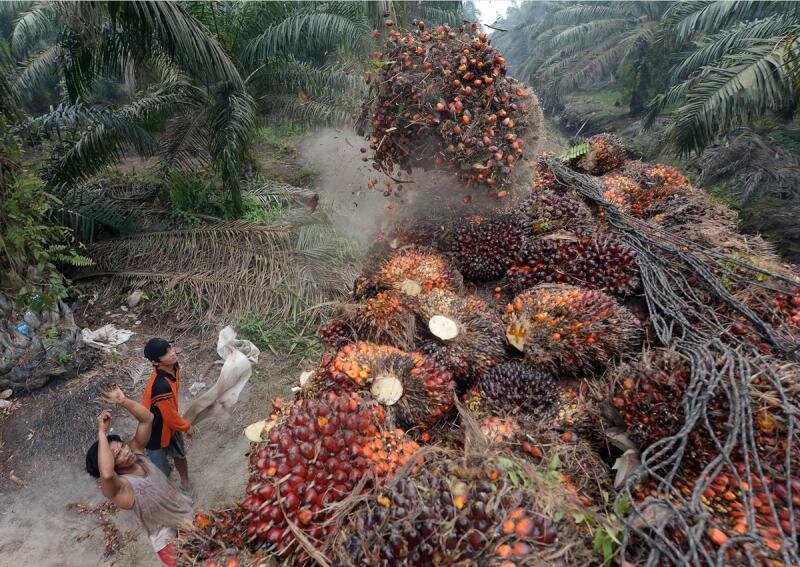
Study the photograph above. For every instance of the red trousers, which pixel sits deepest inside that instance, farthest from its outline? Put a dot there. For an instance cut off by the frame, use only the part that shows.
(167, 556)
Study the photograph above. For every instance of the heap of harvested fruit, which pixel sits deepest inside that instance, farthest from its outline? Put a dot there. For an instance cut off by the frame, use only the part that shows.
(443, 93)
(484, 248)
(469, 338)
(569, 330)
(414, 271)
(453, 511)
(414, 389)
(592, 262)
(516, 387)
(547, 211)
(314, 458)
(605, 153)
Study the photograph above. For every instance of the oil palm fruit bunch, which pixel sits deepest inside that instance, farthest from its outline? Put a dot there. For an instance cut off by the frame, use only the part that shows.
(665, 178)
(412, 387)
(623, 192)
(605, 154)
(468, 337)
(336, 333)
(483, 248)
(547, 211)
(544, 179)
(313, 458)
(414, 271)
(649, 396)
(568, 330)
(446, 95)
(454, 511)
(383, 319)
(594, 262)
(516, 387)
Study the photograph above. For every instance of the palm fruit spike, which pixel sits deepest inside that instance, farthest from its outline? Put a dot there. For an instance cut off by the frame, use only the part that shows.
(548, 211)
(415, 390)
(605, 154)
(569, 330)
(484, 248)
(313, 458)
(455, 511)
(414, 271)
(469, 338)
(515, 387)
(593, 262)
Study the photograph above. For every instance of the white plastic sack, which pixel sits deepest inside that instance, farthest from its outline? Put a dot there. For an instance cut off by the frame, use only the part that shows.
(239, 357)
(106, 338)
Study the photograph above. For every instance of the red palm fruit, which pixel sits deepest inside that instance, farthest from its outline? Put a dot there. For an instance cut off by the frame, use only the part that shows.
(484, 248)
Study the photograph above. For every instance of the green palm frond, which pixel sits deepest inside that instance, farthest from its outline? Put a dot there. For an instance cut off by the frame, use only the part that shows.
(688, 18)
(87, 212)
(713, 48)
(41, 21)
(39, 69)
(741, 89)
(272, 193)
(326, 26)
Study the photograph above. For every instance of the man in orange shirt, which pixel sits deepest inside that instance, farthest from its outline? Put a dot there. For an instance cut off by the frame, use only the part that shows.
(161, 398)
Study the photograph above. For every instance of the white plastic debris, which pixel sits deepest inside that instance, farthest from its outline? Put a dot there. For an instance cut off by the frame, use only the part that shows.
(238, 359)
(106, 338)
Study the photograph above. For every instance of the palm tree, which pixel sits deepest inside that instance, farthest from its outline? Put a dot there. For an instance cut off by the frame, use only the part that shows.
(735, 65)
(87, 41)
(562, 46)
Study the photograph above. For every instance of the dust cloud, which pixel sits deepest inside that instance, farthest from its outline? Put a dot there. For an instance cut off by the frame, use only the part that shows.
(362, 214)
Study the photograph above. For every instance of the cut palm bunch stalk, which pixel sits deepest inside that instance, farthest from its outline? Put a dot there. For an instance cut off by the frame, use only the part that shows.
(569, 330)
(483, 248)
(415, 390)
(230, 269)
(484, 509)
(593, 262)
(443, 94)
(414, 271)
(468, 336)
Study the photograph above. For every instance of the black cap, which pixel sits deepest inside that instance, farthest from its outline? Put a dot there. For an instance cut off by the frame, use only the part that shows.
(155, 348)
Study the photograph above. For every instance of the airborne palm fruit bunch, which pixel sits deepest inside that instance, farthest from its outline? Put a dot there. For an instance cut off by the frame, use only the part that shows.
(484, 248)
(605, 154)
(649, 396)
(569, 330)
(313, 458)
(516, 387)
(454, 511)
(469, 338)
(594, 262)
(444, 93)
(547, 211)
(415, 271)
(412, 387)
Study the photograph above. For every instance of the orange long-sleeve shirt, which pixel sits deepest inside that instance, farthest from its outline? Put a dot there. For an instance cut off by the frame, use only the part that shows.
(161, 398)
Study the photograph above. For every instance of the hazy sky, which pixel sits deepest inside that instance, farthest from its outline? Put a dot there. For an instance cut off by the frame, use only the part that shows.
(492, 9)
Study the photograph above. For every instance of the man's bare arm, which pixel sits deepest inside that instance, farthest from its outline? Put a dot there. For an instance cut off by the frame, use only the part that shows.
(111, 485)
(113, 395)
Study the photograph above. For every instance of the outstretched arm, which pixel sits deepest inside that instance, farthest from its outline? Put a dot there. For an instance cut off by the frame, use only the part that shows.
(113, 395)
(112, 486)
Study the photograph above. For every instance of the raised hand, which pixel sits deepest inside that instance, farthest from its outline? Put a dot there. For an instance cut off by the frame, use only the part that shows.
(112, 394)
(104, 421)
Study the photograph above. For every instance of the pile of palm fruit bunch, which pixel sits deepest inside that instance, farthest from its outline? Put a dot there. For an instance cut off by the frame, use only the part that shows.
(604, 371)
(442, 94)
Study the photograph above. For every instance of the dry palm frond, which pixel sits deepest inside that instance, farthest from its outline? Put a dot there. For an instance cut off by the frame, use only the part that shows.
(230, 269)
